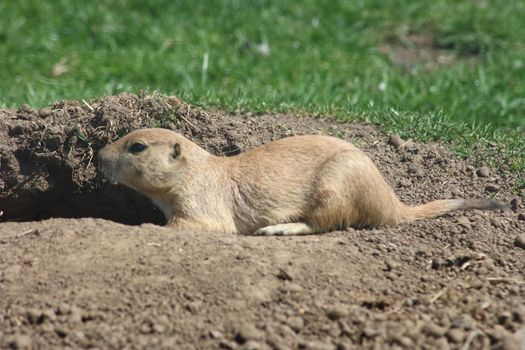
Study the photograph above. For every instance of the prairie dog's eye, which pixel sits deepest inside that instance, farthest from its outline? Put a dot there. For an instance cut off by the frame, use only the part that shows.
(137, 147)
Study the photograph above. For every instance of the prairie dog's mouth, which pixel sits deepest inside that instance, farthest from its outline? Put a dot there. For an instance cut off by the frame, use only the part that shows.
(109, 173)
(110, 176)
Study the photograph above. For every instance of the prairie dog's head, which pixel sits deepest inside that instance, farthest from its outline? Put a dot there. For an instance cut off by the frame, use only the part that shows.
(148, 160)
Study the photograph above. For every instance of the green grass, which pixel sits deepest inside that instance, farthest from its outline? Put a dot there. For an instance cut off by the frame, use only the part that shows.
(325, 58)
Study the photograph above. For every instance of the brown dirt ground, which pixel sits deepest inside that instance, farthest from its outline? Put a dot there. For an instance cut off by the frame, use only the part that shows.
(77, 271)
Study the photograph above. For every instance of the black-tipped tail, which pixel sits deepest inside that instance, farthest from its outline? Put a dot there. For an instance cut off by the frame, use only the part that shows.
(444, 206)
(483, 204)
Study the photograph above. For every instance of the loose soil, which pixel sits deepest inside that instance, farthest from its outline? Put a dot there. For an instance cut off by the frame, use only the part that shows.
(87, 265)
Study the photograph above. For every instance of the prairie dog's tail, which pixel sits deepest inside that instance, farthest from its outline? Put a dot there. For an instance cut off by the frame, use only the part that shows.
(440, 207)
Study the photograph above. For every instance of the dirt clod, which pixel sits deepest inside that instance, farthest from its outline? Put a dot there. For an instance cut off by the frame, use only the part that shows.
(337, 312)
(248, 332)
(395, 141)
(296, 323)
(520, 241)
(405, 183)
(492, 188)
(515, 203)
(435, 330)
(456, 335)
(483, 171)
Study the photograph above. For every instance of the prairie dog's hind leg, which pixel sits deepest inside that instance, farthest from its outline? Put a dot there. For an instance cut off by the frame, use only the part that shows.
(200, 226)
(291, 229)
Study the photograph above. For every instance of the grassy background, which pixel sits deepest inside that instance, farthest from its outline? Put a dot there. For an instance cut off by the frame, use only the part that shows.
(326, 57)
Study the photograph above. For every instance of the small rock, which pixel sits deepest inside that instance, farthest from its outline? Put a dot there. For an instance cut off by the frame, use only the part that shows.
(193, 306)
(456, 335)
(61, 332)
(215, 334)
(171, 126)
(49, 315)
(317, 345)
(463, 321)
(284, 275)
(518, 314)
(395, 141)
(163, 319)
(418, 159)
(515, 203)
(496, 222)
(290, 287)
(334, 331)
(504, 317)
(521, 216)
(11, 273)
(20, 341)
(75, 315)
(296, 323)
(406, 342)
(405, 183)
(159, 328)
(63, 309)
(223, 344)
(45, 112)
(370, 332)
(252, 345)
(146, 328)
(520, 241)
(434, 330)
(34, 316)
(483, 171)
(499, 332)
(464, 222)
(285, 331)
(25, 108)
(492, 188)
(337, 312)
(47, 327)
(79, 336)
(391, 265)
(248, 332)
(416, 169)
(345, 328)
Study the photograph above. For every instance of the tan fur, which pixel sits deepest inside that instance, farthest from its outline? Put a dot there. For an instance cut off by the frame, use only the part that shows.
(296, 185)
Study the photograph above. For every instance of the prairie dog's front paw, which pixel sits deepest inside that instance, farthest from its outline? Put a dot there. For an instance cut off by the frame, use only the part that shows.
(297, 228)
(270, 231)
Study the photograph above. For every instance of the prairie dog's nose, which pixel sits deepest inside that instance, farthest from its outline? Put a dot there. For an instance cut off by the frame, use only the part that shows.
(104, 157)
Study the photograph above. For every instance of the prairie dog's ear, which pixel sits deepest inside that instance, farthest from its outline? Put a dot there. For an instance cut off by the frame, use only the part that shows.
(176, 150)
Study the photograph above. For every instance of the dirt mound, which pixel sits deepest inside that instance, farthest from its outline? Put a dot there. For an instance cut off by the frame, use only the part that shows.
(48, 156)
(452, 282)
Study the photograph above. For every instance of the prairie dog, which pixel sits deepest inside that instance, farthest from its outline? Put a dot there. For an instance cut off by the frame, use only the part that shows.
(296, 185)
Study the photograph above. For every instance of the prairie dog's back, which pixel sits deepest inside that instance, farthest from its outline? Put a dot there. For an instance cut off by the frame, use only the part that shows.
(293, 161)
(279, 179)
(310, 149)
